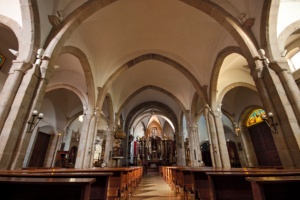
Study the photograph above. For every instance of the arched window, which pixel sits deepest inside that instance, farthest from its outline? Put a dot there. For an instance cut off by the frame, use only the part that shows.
(255, 117)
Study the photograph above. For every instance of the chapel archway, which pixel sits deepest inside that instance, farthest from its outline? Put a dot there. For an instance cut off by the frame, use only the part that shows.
(262, 139)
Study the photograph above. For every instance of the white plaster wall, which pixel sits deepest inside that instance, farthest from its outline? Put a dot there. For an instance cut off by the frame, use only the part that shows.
(202, 129)
(11, 9)
(287, 14)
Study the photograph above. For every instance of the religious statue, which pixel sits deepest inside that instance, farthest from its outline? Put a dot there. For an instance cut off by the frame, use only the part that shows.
(187, 152)
(148, 145)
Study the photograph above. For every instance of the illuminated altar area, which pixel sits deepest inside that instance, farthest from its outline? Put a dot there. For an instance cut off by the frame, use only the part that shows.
(154, 149)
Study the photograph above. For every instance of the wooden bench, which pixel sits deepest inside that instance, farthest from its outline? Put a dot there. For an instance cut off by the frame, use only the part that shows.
(26, 188)
(119, 186)
(233, 185)
(195, 181)
(275, 188)
(99, 188)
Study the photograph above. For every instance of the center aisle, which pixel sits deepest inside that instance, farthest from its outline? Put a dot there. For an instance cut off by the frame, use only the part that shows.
(153, 187)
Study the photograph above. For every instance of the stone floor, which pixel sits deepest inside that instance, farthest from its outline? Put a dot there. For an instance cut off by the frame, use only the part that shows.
(153, 187)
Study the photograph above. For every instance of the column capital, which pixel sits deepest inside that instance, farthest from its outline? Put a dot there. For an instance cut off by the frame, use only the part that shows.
(193, 126)
(46, 73)
(257, 72)
(279, 65)
(20, 65)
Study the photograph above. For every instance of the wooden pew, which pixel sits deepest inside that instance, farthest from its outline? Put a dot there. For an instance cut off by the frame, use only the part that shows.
(233, 185)
(99, 188)
(119, 181)
(26, 188)
(194, 180)
(275, 188)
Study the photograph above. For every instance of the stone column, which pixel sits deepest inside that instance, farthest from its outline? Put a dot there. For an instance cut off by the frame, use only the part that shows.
(220, 139)
(274, 100)
(194, 145)
(289, 85)
(212, 137)
(45, 75)
(92, 140)
(14, 137)
(108, 147)
(126, 143)
(11, 87)
(180, 153)
(82, 147)
(89, 144)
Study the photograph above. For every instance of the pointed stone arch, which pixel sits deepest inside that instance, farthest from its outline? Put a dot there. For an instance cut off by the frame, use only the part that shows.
(216, 71)
(269, 40)
(146, 105)
(282, 38)
(59, 35)
(80, 55)
(232, 25)
(146, 88)
(161, 58)
(230, 87)
(12, 25)
(68, 87)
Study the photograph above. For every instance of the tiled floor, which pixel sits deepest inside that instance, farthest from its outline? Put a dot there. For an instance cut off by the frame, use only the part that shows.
(153, 187)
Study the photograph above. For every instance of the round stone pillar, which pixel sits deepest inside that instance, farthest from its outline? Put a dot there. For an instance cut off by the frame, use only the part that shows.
(195, 153)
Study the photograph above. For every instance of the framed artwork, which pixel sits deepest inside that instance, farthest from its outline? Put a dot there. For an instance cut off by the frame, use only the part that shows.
(2, 60)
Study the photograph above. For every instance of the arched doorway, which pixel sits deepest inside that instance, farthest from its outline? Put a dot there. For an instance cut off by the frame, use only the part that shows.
(205, 152)
(40, 149)
(233, 154)
(262, 140)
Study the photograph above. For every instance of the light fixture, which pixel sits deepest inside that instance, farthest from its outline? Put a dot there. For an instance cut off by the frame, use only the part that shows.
(236, 128)
(272, 124)
(264, 59)
(32, 124)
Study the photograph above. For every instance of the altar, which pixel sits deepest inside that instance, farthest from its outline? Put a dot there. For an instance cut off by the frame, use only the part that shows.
(153, 151)
(154, 163)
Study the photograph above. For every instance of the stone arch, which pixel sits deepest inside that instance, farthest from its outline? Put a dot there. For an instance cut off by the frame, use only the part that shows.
(12, 25)
(282, 38)
(86, 69)
(158, 57)
(146, 88)
(30, 19)
(146, 105)
(246, 142)
(230, 87)
(110, 109)
(269, 40)
(227, 21)
(216, 70)
(193, 108)
(58, 36)
(68, 87)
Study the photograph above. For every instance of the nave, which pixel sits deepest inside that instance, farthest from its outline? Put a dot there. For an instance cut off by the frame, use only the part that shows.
(153, 187)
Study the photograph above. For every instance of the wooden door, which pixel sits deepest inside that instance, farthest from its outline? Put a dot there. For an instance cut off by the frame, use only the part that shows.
(39, 150)
(264, 146)
(205, 152)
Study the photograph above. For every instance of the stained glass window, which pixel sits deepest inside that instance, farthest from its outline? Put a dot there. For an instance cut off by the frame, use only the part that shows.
(2, 59)
(255, 117)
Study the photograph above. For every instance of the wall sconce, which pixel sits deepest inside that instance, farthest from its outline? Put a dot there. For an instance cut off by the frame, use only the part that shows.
(236, 128)
(272, 124)
(32, 124)
(264, 59)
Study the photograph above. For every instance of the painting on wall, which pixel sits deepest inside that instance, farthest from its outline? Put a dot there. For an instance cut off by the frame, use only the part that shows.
(2, 60)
